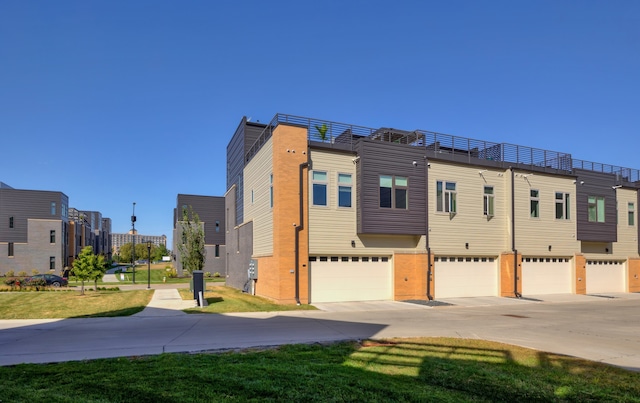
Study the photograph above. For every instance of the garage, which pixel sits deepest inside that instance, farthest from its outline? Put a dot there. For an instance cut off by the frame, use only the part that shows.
(546, 275)
(606, 276)
(465, 276)
(350, 278)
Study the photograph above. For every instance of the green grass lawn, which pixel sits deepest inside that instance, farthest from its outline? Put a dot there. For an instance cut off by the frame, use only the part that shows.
(70, 304)
(226, 300)
(402, 370)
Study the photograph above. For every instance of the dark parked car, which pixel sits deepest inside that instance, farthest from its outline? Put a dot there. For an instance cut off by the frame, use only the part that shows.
(50, 279)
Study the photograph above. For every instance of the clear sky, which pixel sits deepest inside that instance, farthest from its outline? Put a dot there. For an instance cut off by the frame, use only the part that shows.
(115, 102)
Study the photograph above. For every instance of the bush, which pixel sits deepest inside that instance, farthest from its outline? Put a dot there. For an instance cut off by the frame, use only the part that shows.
(22, 273)
(34, 272)
(10, 273)
(171, 272)
(207, 274)
(216, 274)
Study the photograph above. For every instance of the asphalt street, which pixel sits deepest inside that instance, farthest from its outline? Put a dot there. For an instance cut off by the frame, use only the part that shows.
(599, 328)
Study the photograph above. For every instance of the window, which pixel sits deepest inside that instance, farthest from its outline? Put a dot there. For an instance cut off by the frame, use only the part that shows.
(393, 192)
(271, 190)
(10, 252)
(252, 196)
(631, 214)
(446, 197)
(52, 263)
(53, 208)
(52, 236)
(534, 203)
(344, 190)
(596, 208)
(217, 251)
(488, 201)
(319, 188)
(10, 222)
(217, 225)
(562, 206)
(64, 210)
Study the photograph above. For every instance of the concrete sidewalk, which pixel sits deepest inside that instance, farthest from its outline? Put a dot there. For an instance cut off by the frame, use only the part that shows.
(166, 302)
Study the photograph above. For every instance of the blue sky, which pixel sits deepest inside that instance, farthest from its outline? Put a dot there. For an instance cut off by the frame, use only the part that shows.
(115, 102)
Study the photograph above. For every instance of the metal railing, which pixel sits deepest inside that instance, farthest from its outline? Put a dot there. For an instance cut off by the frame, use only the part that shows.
(445, 146)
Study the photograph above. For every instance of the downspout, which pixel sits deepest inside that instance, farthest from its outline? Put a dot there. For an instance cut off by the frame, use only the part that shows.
(299, 228)
(426, 230)
(513, 235)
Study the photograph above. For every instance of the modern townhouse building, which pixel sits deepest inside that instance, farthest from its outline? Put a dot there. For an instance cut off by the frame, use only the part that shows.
(320, 211)
(210, 211)
(33, 230)
(88, 228)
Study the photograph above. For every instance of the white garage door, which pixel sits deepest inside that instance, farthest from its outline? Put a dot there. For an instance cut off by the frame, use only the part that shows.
(466, 277)
(605, 276)
(546, 275)
(361, 278)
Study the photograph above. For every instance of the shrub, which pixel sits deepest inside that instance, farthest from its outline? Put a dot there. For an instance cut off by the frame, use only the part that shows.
(10, 273)
(171, 272)
(34, 272)
(216, 274)
(207, 274)
(22, 273)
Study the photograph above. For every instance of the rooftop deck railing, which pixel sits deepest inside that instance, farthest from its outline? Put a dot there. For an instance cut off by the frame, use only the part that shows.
(446, 146)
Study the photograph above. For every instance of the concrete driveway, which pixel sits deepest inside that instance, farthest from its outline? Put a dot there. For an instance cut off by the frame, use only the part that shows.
(599, 328)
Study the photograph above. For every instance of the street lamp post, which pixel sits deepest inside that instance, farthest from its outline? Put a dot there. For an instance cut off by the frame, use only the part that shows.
(148, 265)
(133, 248)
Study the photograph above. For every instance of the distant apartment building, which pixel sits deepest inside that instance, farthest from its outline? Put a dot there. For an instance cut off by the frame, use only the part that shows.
(34, 227)
(118, 239)
(210, 211)
(88, 228)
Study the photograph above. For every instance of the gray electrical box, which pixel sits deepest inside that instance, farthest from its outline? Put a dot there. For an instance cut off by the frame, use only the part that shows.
(253, 269)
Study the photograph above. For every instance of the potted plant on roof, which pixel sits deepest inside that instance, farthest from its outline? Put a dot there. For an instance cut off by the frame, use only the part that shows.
(322, 131)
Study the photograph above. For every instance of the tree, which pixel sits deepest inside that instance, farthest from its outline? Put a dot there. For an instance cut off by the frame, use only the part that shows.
(192, 252)
(88, 266)
(125, 252)
(322, 132)
(159, 252)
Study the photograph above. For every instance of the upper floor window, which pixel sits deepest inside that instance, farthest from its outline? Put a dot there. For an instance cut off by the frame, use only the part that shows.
(271, 190)
(217, 225)
(596, 208)
(53, 208)
(534, 203)
(319, 188)
(446, 197)
(488, 201)
(631, 214)
(393, 192)
(52, 236)
(10, 222)
(344, 190)
(562, 206)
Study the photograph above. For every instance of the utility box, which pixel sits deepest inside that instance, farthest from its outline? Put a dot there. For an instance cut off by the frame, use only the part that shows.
(253, 269)
(198, 285)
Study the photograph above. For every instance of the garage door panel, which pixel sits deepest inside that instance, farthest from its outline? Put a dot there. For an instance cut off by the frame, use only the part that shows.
(605, 276)
(350, 281)
(546, 276)
(466, 278)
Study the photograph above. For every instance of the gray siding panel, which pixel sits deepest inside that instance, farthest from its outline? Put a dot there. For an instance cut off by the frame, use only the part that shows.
(210, 210)
(25, 204)
(379, 158)
(239, 247)
(590, 183)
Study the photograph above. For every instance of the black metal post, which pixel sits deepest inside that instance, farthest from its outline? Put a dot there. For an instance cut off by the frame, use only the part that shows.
(133, 247)
(148, 265)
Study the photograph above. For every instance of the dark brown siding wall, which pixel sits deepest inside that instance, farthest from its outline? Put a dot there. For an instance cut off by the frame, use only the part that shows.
(379, 158)
(25, 204)
(209, 209)
(590, 183)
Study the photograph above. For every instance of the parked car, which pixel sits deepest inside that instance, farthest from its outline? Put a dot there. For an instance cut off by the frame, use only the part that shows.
(50, 279)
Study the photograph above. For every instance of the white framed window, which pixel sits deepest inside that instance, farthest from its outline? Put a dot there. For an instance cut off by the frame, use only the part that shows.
(631, 214)
(595, 208)
(319, 186)
(446, 197)
(344, 190)
(53, 208)
(563, 207)
(488, 202)
(534, 203)
(394, 191)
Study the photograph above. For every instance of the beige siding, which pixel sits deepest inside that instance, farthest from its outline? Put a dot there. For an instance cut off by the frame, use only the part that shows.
(450, 234)
(535, 235)
(257, 179)
(332, 228)
(627, 245)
